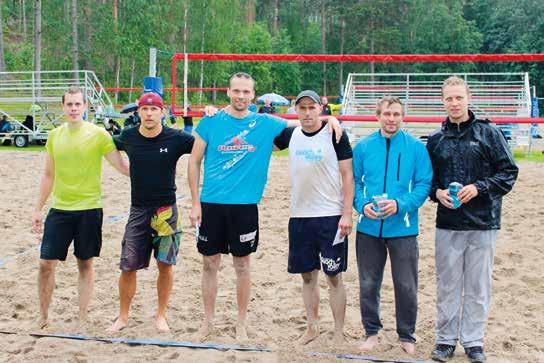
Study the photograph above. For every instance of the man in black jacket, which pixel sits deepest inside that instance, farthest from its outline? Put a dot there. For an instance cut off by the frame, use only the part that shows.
(475, 154)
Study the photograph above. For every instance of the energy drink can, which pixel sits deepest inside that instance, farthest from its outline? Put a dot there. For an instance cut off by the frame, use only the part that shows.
(454, 188)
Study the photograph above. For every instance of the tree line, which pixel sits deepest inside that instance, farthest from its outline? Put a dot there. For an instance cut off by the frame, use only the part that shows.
(113, 37)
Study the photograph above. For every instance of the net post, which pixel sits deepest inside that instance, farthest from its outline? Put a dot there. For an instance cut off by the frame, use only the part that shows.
(152, 62)
(185, 90)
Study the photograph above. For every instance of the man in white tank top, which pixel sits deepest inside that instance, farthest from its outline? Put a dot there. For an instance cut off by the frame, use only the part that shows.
(321, 216)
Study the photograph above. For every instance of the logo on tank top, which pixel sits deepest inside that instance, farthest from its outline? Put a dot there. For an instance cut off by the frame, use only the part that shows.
(163, 150)
(310, 154)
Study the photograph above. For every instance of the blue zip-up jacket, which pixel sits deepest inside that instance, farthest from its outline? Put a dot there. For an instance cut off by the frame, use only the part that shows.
(399, 166)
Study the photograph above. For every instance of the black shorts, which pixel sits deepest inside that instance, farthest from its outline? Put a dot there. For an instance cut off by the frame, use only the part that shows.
(84, 227)
(228, 228)
(311, 245)
(150, 229)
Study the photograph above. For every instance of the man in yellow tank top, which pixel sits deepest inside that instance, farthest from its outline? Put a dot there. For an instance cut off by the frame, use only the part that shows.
(73, 170)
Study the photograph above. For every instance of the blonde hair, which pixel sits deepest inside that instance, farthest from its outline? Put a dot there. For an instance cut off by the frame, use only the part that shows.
(389, 100)
(74, 90)
(454, 81)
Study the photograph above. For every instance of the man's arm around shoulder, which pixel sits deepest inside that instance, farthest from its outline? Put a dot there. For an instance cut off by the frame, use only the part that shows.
(193, 173)
(116, 160)
(346, 171)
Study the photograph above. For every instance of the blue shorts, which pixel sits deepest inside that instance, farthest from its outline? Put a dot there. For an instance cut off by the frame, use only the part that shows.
(311, 246)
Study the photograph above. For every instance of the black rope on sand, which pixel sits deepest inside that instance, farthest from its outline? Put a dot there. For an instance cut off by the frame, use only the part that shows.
(215, 346)
(156, 342)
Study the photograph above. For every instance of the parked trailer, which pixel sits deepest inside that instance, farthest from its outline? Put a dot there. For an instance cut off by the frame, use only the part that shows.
(36, 96)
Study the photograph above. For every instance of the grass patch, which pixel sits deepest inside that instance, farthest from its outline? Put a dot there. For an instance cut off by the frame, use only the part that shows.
(535, 155)
(281, 153)
(28, 148)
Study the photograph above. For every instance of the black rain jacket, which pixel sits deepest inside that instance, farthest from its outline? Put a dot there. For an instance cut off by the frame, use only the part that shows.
(472, 152)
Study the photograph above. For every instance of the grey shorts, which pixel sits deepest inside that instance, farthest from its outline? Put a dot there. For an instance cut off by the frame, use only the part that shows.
(149, 230)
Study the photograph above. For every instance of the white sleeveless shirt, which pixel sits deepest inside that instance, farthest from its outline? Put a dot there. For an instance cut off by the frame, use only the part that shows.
(315, 175)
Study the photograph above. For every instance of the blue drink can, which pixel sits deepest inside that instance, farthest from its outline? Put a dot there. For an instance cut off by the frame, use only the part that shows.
(454, 188)
(376, 199)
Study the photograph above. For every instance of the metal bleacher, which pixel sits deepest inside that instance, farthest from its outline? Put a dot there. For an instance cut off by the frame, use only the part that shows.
(492, 95)
(38, 94)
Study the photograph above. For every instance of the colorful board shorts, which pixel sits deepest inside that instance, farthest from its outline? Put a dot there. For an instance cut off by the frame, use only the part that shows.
(156, 230)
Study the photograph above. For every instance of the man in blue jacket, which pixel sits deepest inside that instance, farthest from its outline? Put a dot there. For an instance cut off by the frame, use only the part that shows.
(395, 166)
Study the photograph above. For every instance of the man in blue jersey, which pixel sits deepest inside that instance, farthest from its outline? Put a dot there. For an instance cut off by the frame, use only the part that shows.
(392, 165)
(236, 146)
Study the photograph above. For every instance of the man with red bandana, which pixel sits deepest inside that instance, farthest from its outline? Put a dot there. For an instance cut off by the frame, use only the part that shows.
(153, 224)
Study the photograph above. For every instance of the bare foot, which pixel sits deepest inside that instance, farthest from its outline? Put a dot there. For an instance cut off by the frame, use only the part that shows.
(408, 347)
(118, 325)
(338, 338)
(162, 325)
(81, 326)
(311, 333)
(42, 323)
(369, 343)
(83, 318)
(205, 331)
(241, 332)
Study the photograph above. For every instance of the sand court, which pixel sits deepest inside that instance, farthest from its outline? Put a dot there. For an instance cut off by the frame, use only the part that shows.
(515, 328)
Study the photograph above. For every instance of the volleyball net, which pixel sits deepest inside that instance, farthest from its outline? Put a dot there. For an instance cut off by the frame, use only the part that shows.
(504, 98)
